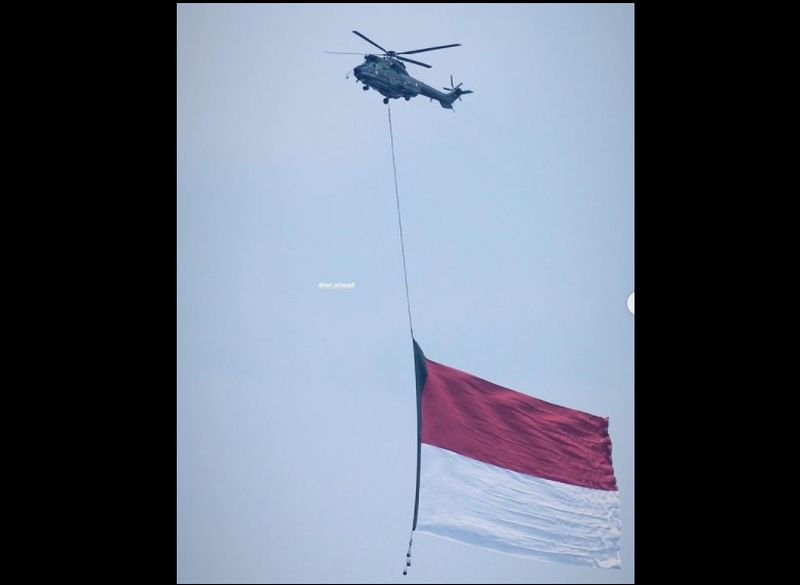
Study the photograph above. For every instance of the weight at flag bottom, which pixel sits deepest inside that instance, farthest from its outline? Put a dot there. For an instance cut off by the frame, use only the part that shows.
(506, 471)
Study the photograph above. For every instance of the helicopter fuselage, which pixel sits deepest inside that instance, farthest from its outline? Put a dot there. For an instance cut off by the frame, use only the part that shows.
(389, 77)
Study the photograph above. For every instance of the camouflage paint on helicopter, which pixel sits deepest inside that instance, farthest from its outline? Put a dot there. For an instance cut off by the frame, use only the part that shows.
(387, 75)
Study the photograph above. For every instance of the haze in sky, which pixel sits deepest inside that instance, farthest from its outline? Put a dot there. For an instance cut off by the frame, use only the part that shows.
(296, 428)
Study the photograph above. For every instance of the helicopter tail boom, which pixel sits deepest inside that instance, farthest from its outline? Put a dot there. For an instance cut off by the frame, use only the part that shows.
(454, 92)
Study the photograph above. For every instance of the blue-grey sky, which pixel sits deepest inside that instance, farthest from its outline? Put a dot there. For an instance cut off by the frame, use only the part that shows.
(296, 405)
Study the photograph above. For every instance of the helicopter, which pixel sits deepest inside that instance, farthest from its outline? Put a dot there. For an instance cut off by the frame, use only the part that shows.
(387, 74)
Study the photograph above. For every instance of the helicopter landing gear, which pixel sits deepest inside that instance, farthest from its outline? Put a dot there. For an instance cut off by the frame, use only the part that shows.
(365, 88)
(385, 100)
(407, 98)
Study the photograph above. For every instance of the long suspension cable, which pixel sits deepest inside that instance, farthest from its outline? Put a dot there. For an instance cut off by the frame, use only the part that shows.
(400, 223)
(408, 304)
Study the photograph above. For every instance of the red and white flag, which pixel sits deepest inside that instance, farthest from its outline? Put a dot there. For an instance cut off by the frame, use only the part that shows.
(509, 472)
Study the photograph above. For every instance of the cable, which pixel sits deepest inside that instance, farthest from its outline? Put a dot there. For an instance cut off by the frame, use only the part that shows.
(400, 223)
(408, 304)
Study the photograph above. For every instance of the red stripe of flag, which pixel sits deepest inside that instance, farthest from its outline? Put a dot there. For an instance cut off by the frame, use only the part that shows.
(503, 427)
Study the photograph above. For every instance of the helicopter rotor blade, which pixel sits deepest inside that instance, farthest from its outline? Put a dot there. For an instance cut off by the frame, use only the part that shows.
(412, 61)
(451, 82)
(428, 49)
(370, 42)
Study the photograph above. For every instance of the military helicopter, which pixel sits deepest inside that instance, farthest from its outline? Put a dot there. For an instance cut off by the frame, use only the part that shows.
(387, 74)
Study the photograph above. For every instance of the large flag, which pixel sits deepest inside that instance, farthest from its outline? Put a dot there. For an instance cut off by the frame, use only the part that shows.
(506, 471)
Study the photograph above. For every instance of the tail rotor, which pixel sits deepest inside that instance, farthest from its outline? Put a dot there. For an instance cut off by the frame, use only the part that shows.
(456, 89)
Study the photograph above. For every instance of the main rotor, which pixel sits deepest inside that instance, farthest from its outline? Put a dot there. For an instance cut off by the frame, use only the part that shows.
(395, 54)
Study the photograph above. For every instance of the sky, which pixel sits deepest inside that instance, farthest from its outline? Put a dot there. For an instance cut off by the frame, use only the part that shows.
(296, 406)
